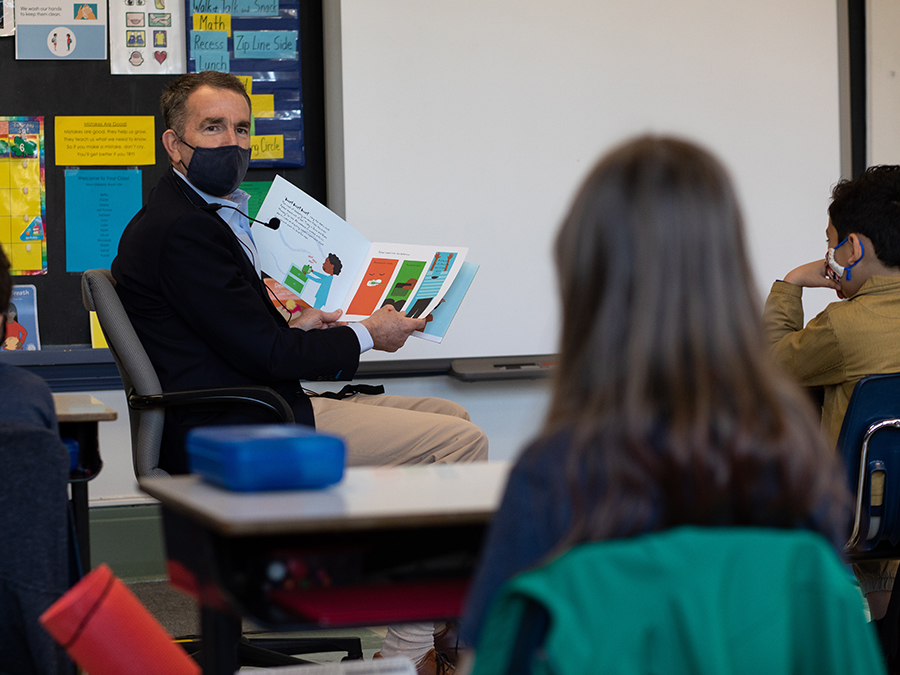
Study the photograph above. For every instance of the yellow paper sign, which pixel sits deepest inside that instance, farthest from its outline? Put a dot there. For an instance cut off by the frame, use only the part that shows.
(263, 105)
(106, 141)
(267, 147)
(213, 22)
(247, 81)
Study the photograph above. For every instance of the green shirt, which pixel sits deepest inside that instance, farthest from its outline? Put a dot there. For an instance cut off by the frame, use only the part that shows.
(691, 600)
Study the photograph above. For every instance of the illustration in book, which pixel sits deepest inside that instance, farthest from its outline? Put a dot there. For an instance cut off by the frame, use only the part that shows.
(315, 259)
(441, 316)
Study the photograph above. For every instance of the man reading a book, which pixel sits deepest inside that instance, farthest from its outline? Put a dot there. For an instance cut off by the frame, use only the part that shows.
(188, 274)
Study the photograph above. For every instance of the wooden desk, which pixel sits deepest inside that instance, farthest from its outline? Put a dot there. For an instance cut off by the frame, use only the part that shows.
(385, 545)
(78, 416)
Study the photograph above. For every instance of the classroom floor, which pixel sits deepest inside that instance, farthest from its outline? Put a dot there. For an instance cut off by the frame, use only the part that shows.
(178, 614)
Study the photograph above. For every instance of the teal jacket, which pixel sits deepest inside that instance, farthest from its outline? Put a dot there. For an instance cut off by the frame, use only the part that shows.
(698, 601)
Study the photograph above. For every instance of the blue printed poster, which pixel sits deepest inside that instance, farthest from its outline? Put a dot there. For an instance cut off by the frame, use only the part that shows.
(21, 320)
(99, 204)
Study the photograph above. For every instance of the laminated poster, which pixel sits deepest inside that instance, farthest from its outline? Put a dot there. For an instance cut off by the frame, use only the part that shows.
(146, 37)
(22, 198)
(21, 320)
(54, 29)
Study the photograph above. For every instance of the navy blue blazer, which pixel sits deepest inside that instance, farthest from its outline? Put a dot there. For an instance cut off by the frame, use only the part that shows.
(205, 317)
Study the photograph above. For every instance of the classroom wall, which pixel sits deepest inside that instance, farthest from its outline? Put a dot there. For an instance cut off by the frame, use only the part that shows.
(474, 118)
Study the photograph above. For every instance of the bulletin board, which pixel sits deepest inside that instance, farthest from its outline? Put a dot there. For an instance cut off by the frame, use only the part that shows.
(86, 88)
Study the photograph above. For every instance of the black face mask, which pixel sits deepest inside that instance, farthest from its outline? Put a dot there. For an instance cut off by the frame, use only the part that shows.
(218, 171)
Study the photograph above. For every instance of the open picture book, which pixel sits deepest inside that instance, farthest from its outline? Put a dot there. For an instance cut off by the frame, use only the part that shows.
(316, 259)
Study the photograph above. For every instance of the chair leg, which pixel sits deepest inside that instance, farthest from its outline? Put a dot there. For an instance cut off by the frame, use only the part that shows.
(889, 633)
(219, 651)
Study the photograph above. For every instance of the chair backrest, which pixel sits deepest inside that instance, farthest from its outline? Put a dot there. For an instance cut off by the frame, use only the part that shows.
(687, 600)
(137, 372)
(867, 429)
(34, 536)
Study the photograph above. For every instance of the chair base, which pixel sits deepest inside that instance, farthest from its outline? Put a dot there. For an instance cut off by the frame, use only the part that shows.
(269, 652)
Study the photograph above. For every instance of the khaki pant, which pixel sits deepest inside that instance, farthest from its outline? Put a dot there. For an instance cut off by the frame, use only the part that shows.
(393, 430)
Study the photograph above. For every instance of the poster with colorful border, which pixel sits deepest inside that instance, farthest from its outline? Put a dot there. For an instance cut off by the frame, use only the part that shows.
(23, 200)
(22, 321)
(259, 42)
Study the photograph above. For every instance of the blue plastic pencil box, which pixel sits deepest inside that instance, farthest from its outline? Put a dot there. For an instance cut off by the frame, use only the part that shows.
(250, 458)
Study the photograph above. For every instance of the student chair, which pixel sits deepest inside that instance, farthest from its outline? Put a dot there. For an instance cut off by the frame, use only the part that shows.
(36, 567)
(869, 444)
(146, 411)
(690, 600)
(146, 399)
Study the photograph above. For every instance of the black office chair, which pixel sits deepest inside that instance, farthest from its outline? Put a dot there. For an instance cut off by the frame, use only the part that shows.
(146, 411)
(869, 444)
(36, 567)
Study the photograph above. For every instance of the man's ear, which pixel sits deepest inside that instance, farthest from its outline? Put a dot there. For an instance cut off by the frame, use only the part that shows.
(172, 145)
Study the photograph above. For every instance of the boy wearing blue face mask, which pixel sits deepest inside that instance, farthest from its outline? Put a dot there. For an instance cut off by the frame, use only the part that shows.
(858, 337)
(854, 338)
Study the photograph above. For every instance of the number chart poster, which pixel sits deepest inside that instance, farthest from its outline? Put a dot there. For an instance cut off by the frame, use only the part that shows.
(22, 197)
(258, 41)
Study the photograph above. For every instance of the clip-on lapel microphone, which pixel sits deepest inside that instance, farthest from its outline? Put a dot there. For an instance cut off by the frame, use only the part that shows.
(272, 223)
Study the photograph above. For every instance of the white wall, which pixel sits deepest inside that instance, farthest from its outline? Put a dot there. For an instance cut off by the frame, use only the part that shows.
(471, 122)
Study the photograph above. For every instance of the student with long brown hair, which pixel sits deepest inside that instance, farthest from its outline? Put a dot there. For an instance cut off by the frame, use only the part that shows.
(666, 409)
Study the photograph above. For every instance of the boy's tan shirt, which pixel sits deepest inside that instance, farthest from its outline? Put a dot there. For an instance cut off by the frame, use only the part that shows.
(845, 342)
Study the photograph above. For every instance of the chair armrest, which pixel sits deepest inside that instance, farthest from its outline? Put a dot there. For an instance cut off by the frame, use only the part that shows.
(255, 396)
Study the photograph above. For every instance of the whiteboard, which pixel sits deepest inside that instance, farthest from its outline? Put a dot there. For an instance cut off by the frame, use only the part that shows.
(883, 82)
(472, 122)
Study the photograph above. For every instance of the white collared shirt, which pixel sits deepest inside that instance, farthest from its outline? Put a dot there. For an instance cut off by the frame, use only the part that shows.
(240, 225)
(237, 221)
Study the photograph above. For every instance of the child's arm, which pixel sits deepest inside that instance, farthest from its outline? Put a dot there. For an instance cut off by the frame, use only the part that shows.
(812, 275)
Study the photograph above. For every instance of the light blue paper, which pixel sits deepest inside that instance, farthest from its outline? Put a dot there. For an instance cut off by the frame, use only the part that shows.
(213, 61)
(265, 44)
(443, 314)
(207, 7)
(252, 7)
(206, 41)
(235, 7)
(99, 204)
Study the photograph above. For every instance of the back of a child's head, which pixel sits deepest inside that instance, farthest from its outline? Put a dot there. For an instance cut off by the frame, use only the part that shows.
(663, 380)
(870, 205)
(656, 288)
